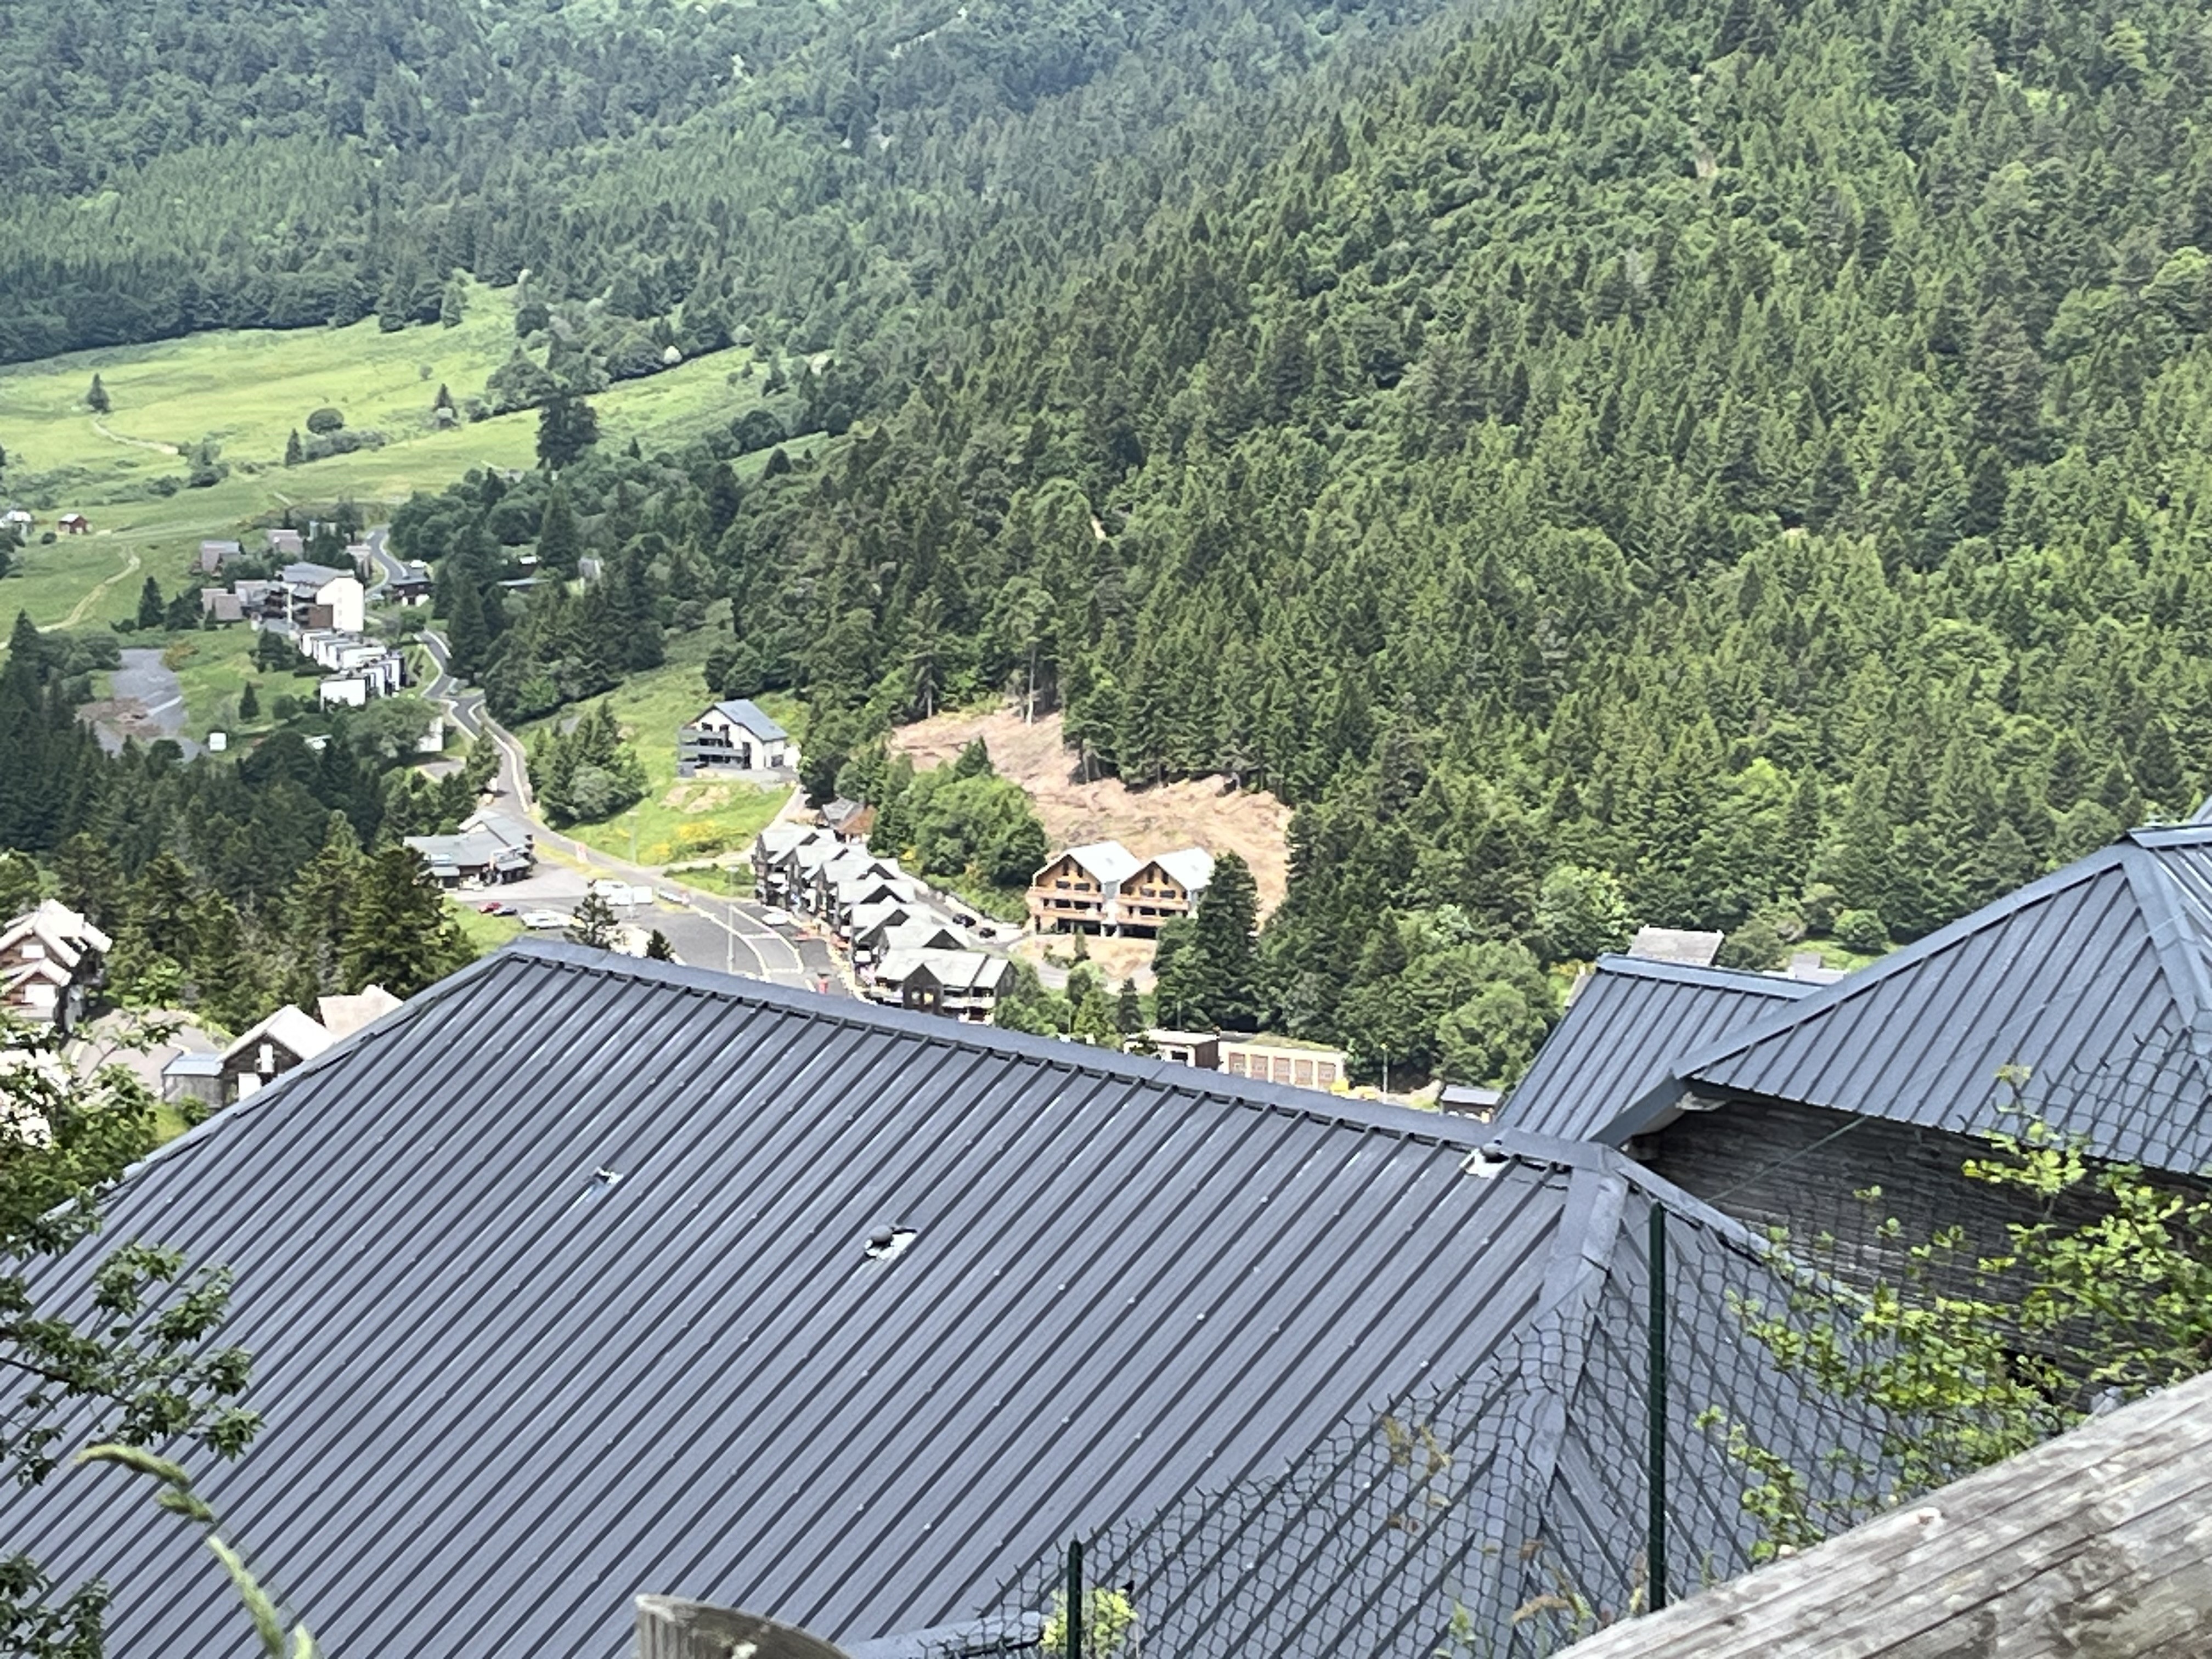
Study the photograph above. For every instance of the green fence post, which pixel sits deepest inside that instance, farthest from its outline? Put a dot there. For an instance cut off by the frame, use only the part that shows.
(1074, 1624)
(1654, 1548)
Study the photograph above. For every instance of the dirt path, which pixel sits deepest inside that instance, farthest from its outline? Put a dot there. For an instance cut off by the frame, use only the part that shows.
(101, 427)
(83, 608)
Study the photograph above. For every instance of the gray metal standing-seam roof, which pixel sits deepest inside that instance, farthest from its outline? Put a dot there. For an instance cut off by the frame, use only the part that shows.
(577, 1276)
(2098, 978)
(1631, 1022)
(743, 711)
(1511, 1496)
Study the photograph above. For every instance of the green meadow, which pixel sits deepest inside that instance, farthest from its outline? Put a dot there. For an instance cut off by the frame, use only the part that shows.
(246, 391)
(678, 821)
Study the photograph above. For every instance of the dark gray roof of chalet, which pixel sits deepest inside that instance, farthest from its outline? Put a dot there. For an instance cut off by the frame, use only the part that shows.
(1501, 1489)
(2098, 978)
(578, 1277)
(1631, 1020)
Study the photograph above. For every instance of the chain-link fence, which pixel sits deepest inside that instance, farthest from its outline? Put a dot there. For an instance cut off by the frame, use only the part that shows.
(1647, 1434)
(1509, 1511)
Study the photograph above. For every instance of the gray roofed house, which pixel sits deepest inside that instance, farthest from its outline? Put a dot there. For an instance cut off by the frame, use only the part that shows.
(1678, 944)
(1632, 1018)
(652, 1279)
(735, 733)
(491, 847)
(2094, 983)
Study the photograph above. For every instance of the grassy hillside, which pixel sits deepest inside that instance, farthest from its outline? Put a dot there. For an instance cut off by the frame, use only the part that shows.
(247, 391)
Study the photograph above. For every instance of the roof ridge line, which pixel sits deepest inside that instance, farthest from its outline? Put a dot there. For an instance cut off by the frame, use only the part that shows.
(2171, 932)
(1407, 1122)
(2044, 888)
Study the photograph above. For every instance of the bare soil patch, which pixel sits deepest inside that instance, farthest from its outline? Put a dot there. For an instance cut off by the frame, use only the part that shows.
(1198, 813)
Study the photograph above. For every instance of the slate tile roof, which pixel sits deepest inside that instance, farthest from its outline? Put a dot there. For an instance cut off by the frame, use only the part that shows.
(1624, 1028)
(567, 1280)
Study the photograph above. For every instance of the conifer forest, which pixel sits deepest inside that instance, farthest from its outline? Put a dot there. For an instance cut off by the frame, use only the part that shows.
(1735, 464)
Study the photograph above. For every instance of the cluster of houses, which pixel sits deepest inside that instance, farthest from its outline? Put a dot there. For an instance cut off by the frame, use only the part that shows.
(908, 947)
(1104, 888)
(322, 609)
(787, 1288)
(53, 961)
(489, 849)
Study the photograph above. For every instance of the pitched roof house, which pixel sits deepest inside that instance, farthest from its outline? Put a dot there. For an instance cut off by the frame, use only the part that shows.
(1629, 1020)
(1079, 887)
(734, 734)
(1162, 889)
(2083, 1001)
(491, 847)
(655, 1279)
(287, 1039)
(51, 958)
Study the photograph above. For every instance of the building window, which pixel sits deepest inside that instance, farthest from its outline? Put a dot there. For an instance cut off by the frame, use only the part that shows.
(1303, 1074)
(1325, 1074)
(1236, 1065)
(1282, 1071)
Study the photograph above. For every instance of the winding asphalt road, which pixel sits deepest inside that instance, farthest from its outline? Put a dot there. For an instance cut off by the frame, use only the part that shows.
(710, 930)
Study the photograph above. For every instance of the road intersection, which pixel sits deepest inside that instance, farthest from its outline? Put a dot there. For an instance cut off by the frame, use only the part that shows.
(707, 930)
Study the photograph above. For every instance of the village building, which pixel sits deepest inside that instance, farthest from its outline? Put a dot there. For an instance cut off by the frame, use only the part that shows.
(18, 520)
(214, 554)
(220, 604)
(1162, 889)
(1282, 1059)
(316, 596)
(1199, 1048)
(51, 960)
(192, 1080)
(491, 848)
(1076, 891)
(955, 984)
(412, 587)
(73, 524)
(733, 736)
(341, 1016)
(285, 543)
(265, 1052)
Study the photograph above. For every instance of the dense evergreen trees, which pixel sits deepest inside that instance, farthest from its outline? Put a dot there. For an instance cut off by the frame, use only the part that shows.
(1766, 478)
(229, 886)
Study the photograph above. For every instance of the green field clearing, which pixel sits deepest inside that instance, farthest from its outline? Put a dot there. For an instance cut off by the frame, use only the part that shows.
(248, 390)
(485, 933)
(697, 817)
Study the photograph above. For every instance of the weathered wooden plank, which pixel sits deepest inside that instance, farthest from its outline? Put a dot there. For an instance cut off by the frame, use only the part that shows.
(2097, 1545)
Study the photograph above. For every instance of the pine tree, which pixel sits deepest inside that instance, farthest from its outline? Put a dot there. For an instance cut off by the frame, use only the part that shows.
(95, 398)
(594, 924)
(558, 544)
(294, 452)
(1128, 1010)
(658, 949)
(249, 702)
(400, 933)
(1224, 935)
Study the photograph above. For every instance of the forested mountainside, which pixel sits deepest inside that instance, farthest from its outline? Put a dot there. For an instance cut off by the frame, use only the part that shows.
(1756, 453)
(788, 169)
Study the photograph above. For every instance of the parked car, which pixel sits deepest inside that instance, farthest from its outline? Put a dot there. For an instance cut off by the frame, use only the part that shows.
(774, 917)
(545, 919)
(495, 908)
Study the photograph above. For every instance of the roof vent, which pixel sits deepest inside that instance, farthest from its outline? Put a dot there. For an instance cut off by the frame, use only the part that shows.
(1483, 1165)
(889, 1243)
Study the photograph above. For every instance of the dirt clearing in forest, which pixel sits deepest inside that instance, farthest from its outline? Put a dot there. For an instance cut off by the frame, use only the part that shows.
(1255, 826)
